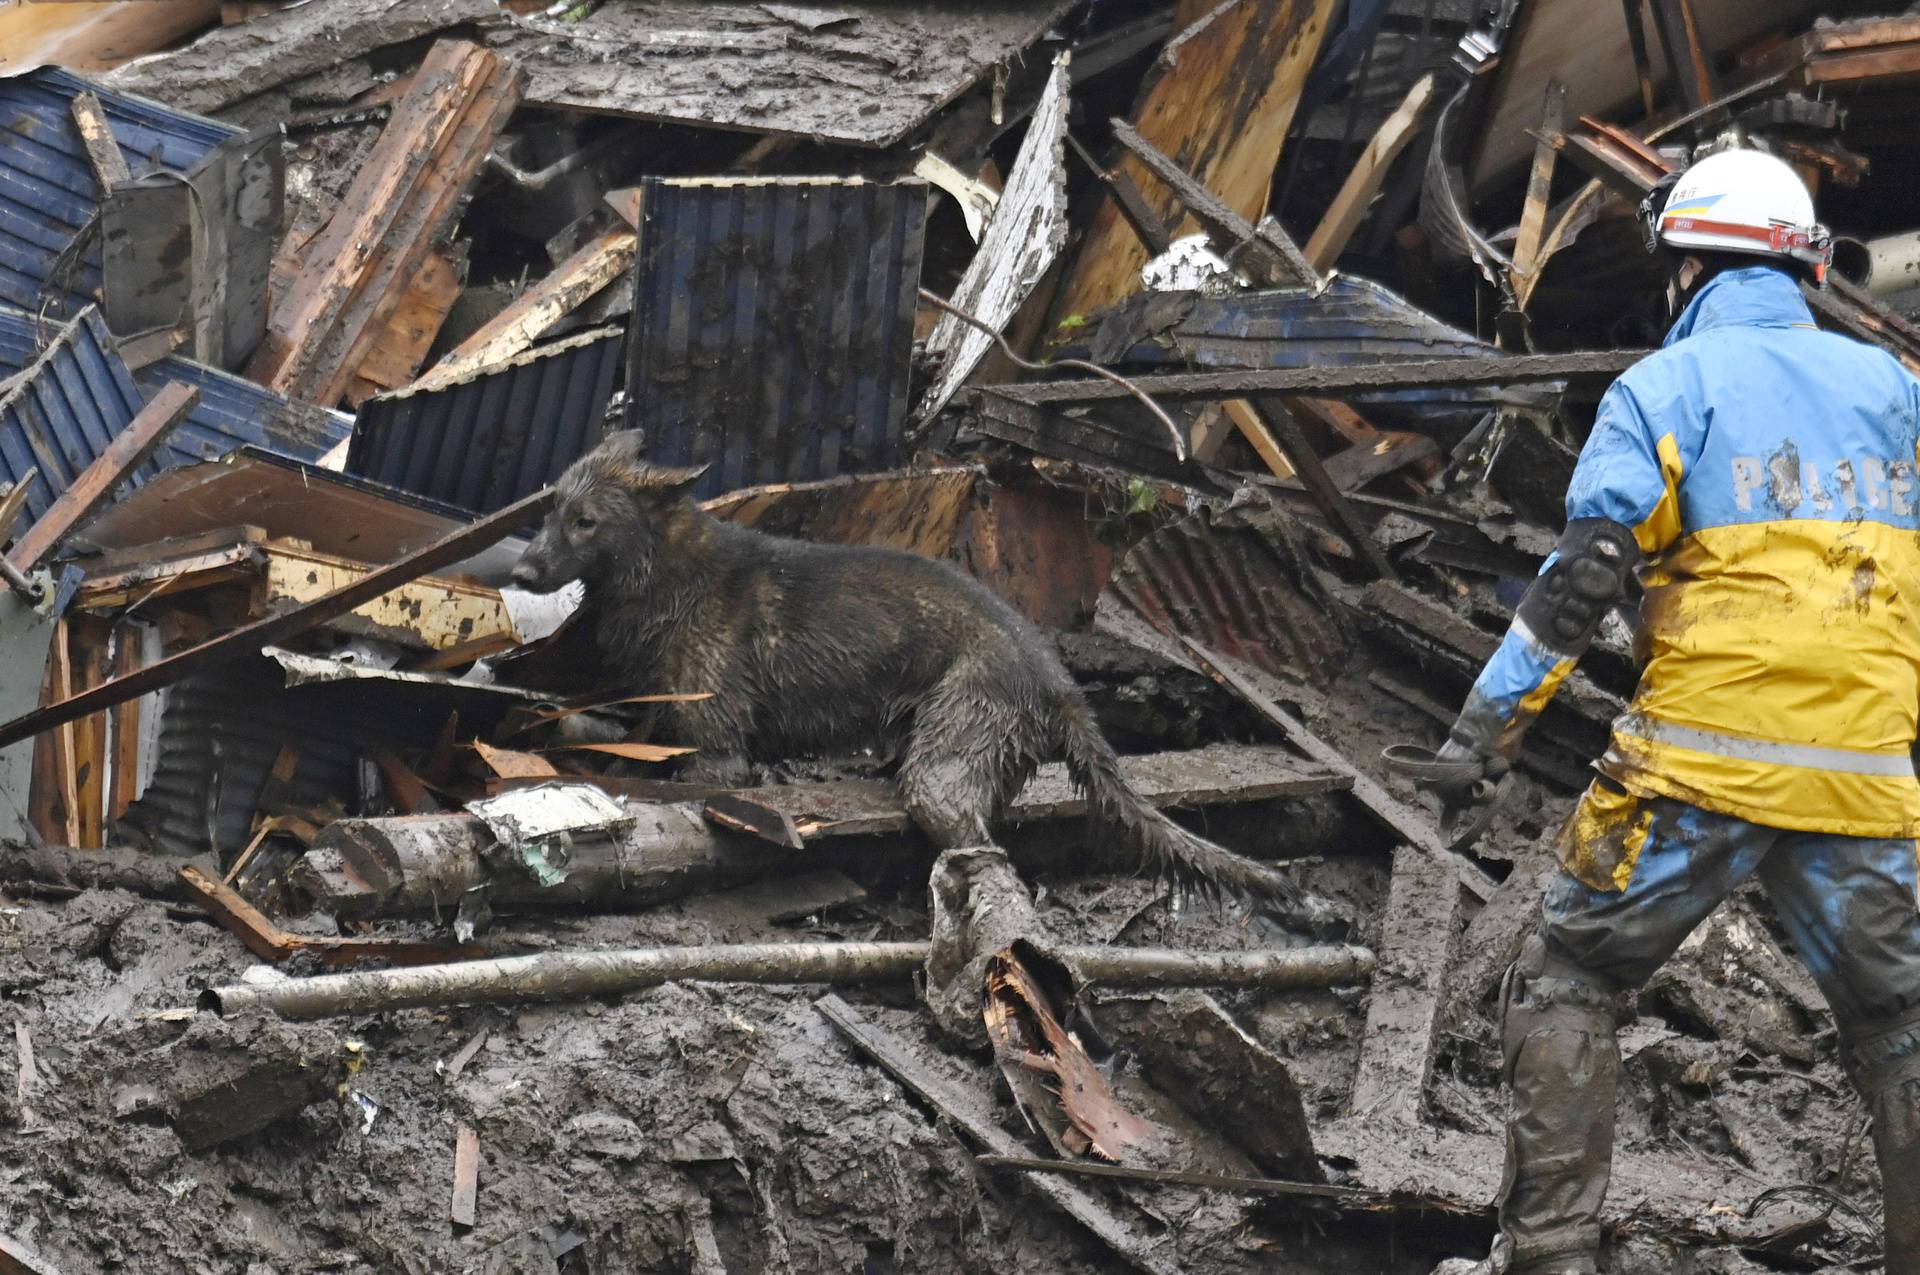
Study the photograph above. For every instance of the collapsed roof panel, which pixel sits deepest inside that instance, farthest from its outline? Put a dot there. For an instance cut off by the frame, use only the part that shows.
(772, 323)
(231, 412)
(500, 434)
(48, 192)
(861, 72)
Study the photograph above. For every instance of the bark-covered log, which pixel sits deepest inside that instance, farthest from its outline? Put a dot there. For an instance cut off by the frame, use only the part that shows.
(571, 975)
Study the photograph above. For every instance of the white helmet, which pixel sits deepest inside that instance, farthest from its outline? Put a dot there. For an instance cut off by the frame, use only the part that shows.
(1739, 201)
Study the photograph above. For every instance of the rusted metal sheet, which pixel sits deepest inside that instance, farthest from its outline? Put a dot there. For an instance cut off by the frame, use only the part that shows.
(93, 385)
(1237, 586)
(497, 435)
(772, 323)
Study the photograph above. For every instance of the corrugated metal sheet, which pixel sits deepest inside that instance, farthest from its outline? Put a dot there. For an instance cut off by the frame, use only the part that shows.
(63, 410)
(1355, 321)
(485, 441)
(66, 415)
(219, 736)
(773, 318)
(1237, 586)
(47, 190)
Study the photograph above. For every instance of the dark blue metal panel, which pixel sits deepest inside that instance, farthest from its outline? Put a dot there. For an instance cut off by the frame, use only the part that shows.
(47, 189)
(1354, 321)
(78, 385)
(63, 409)
(486, 441)
(772, 322)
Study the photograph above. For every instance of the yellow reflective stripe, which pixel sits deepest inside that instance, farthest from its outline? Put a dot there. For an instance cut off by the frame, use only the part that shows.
(1790, 797)
(1661, 527)
(1846, 761)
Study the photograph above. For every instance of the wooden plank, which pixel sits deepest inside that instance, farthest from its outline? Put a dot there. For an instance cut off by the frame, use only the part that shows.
(51, 805)
(396, 357)
(433, 613)
(1349, 208)
(1413, 826)
(1221, 105)
(973, 1113)
(123, 777)
(598, 263)
(103, 152)
(1268, 255)
(1533, 216)
(94, 35)
(89, 637)
(1679, 29)
(466, 1177)
(1331, 502)
(359, 266)
(1642, 62)
(1421, 926)
(1253, 427)
(127, 452)
(1231, 1183)
(273, 630)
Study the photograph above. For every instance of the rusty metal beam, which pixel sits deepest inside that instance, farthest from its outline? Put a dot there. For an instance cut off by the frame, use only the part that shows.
(1335, 382)
(447, 550)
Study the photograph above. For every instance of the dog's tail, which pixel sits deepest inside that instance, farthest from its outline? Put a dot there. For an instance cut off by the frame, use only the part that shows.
(1190, 862)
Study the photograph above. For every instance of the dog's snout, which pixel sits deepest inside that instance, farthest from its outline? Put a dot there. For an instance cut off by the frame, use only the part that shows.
(524, 576)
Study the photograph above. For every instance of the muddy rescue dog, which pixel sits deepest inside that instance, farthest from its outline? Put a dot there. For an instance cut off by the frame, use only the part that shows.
(810, 649)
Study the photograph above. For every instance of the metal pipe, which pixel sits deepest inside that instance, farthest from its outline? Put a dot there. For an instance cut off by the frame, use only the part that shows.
(575, 975)
(1882, 266)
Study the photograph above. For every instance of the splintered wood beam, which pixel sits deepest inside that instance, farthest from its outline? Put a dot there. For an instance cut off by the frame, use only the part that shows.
(1220, 104)
(358, 268)
(1679, 31)
(1642, 61)
(1270, 257)
(99, 480)
(972, 1111)
(516, 328)
(1320, 488)
(1349, 208)
(462, 1210)
(103, 153)
(273, 630)
(1533, 217)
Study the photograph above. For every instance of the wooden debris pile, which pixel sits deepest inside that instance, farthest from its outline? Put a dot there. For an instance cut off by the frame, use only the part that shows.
(1244, 347)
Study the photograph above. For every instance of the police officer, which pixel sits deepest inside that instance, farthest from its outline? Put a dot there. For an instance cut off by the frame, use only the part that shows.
(1759, 475)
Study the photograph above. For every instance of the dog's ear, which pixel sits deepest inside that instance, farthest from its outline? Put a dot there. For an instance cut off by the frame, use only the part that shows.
(672, 484)
(628, 446)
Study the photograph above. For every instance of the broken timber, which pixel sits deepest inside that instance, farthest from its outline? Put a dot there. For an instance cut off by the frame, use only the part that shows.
(1332, 381)
(443, 552)
(126, 453)
(560, 976)
(669, 850)
(1353, 1196)
(271, 943)
(1421, 928)
(973, 1113)
(357, 269)
(1409, 824)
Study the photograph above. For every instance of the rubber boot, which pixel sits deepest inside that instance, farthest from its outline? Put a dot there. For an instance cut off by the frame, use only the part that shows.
(1563, 1067)
(1896, 1141)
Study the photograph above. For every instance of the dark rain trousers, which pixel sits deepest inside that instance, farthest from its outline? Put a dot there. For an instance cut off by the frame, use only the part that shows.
(1851, 908)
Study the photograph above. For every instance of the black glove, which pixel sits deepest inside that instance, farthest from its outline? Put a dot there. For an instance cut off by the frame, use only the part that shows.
(1468, 792)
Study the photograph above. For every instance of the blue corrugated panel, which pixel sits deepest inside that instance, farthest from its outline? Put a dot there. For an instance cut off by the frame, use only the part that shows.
(231, 411)
(772, 322)
(486, 441)
(64, 408)
(47, 189)
(1355, 321)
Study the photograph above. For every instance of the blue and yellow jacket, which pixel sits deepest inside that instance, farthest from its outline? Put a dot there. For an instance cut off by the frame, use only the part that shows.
(1768, 471)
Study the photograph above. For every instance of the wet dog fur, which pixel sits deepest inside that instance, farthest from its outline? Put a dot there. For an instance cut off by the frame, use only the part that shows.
(812, 648)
